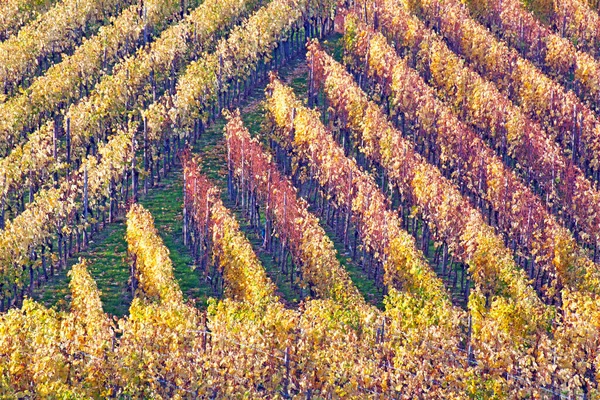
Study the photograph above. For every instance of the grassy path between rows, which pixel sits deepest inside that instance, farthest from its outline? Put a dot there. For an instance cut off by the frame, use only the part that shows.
(107, 254)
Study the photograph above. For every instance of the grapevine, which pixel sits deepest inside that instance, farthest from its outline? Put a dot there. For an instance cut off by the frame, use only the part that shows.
(16, 13)
(551, 52)
(89, 120)
(481, 173)
(76, 74)
(537, 158)
(54, 32)
(568, 120)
